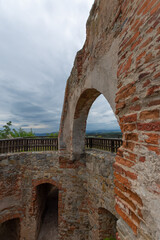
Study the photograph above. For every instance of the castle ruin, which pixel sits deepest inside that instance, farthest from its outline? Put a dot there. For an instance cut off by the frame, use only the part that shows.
(97, 194)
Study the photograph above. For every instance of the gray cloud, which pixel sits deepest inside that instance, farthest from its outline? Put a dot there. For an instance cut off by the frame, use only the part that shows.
(38, 43)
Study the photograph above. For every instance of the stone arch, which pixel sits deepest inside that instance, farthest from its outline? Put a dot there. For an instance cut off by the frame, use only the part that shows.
(94, 83)
(80, 117)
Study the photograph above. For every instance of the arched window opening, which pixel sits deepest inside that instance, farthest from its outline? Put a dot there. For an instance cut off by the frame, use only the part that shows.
(10, 230)
(102, 131)
(47, 211)
(101, 121)
(107, 224)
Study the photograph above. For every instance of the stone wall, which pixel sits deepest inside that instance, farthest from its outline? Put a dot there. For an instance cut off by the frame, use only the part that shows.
(100, 191)
(82, 189)
(121, 60)
(21, 174)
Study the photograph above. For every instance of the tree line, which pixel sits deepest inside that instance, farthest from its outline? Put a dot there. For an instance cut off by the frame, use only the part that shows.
(9, 132)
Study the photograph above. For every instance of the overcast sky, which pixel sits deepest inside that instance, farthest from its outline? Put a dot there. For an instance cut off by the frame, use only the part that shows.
(38, 43)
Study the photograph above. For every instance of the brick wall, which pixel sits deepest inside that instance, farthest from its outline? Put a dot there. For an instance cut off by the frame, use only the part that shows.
(138, 109)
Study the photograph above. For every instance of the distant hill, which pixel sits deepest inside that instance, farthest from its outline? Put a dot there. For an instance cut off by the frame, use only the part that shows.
(44, 134)
(103, 133)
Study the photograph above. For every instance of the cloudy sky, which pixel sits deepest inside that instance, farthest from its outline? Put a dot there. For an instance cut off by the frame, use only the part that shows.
(38, 43)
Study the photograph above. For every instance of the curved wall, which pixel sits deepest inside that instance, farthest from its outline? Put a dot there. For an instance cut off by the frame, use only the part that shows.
(120, 59)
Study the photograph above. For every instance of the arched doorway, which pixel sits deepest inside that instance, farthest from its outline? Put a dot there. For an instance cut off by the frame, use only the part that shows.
(46, 208)
(10, 230)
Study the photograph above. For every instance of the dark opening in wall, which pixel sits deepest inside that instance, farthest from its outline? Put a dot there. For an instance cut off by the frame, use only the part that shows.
(10, 230)
(47, 212)
(107, 224)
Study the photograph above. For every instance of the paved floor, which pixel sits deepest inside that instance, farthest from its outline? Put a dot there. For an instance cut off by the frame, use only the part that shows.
(49, 229)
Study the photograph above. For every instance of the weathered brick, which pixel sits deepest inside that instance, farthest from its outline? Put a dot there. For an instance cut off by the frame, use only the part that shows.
(135, 99)
(134, 217)
(157, 75)
(149, 57)
(146, 42)
(134, 197)
(135, 24)
(124, 88)
(136, 107)
(154, 103)
(129, 127)
(145, 4)
(146, 83)
(130, 156)
(153, 126)
(131, 40)
(125, 94)
(152, 138)
(142, 159)
(128, 64)
(154, 149)
(120, 105)
(122, 179)
(131, 136)
(119, 70)
(152, 114)
(126, 219)
(155, 9)
(128, 145)
(124, 162)
(124, 198)
(131, 175)
(152, 90)
(130, 118)
(120, 170)
(140, 56)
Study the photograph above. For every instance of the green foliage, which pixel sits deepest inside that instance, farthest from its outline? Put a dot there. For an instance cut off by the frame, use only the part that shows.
(7, 132)
(52, 135)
